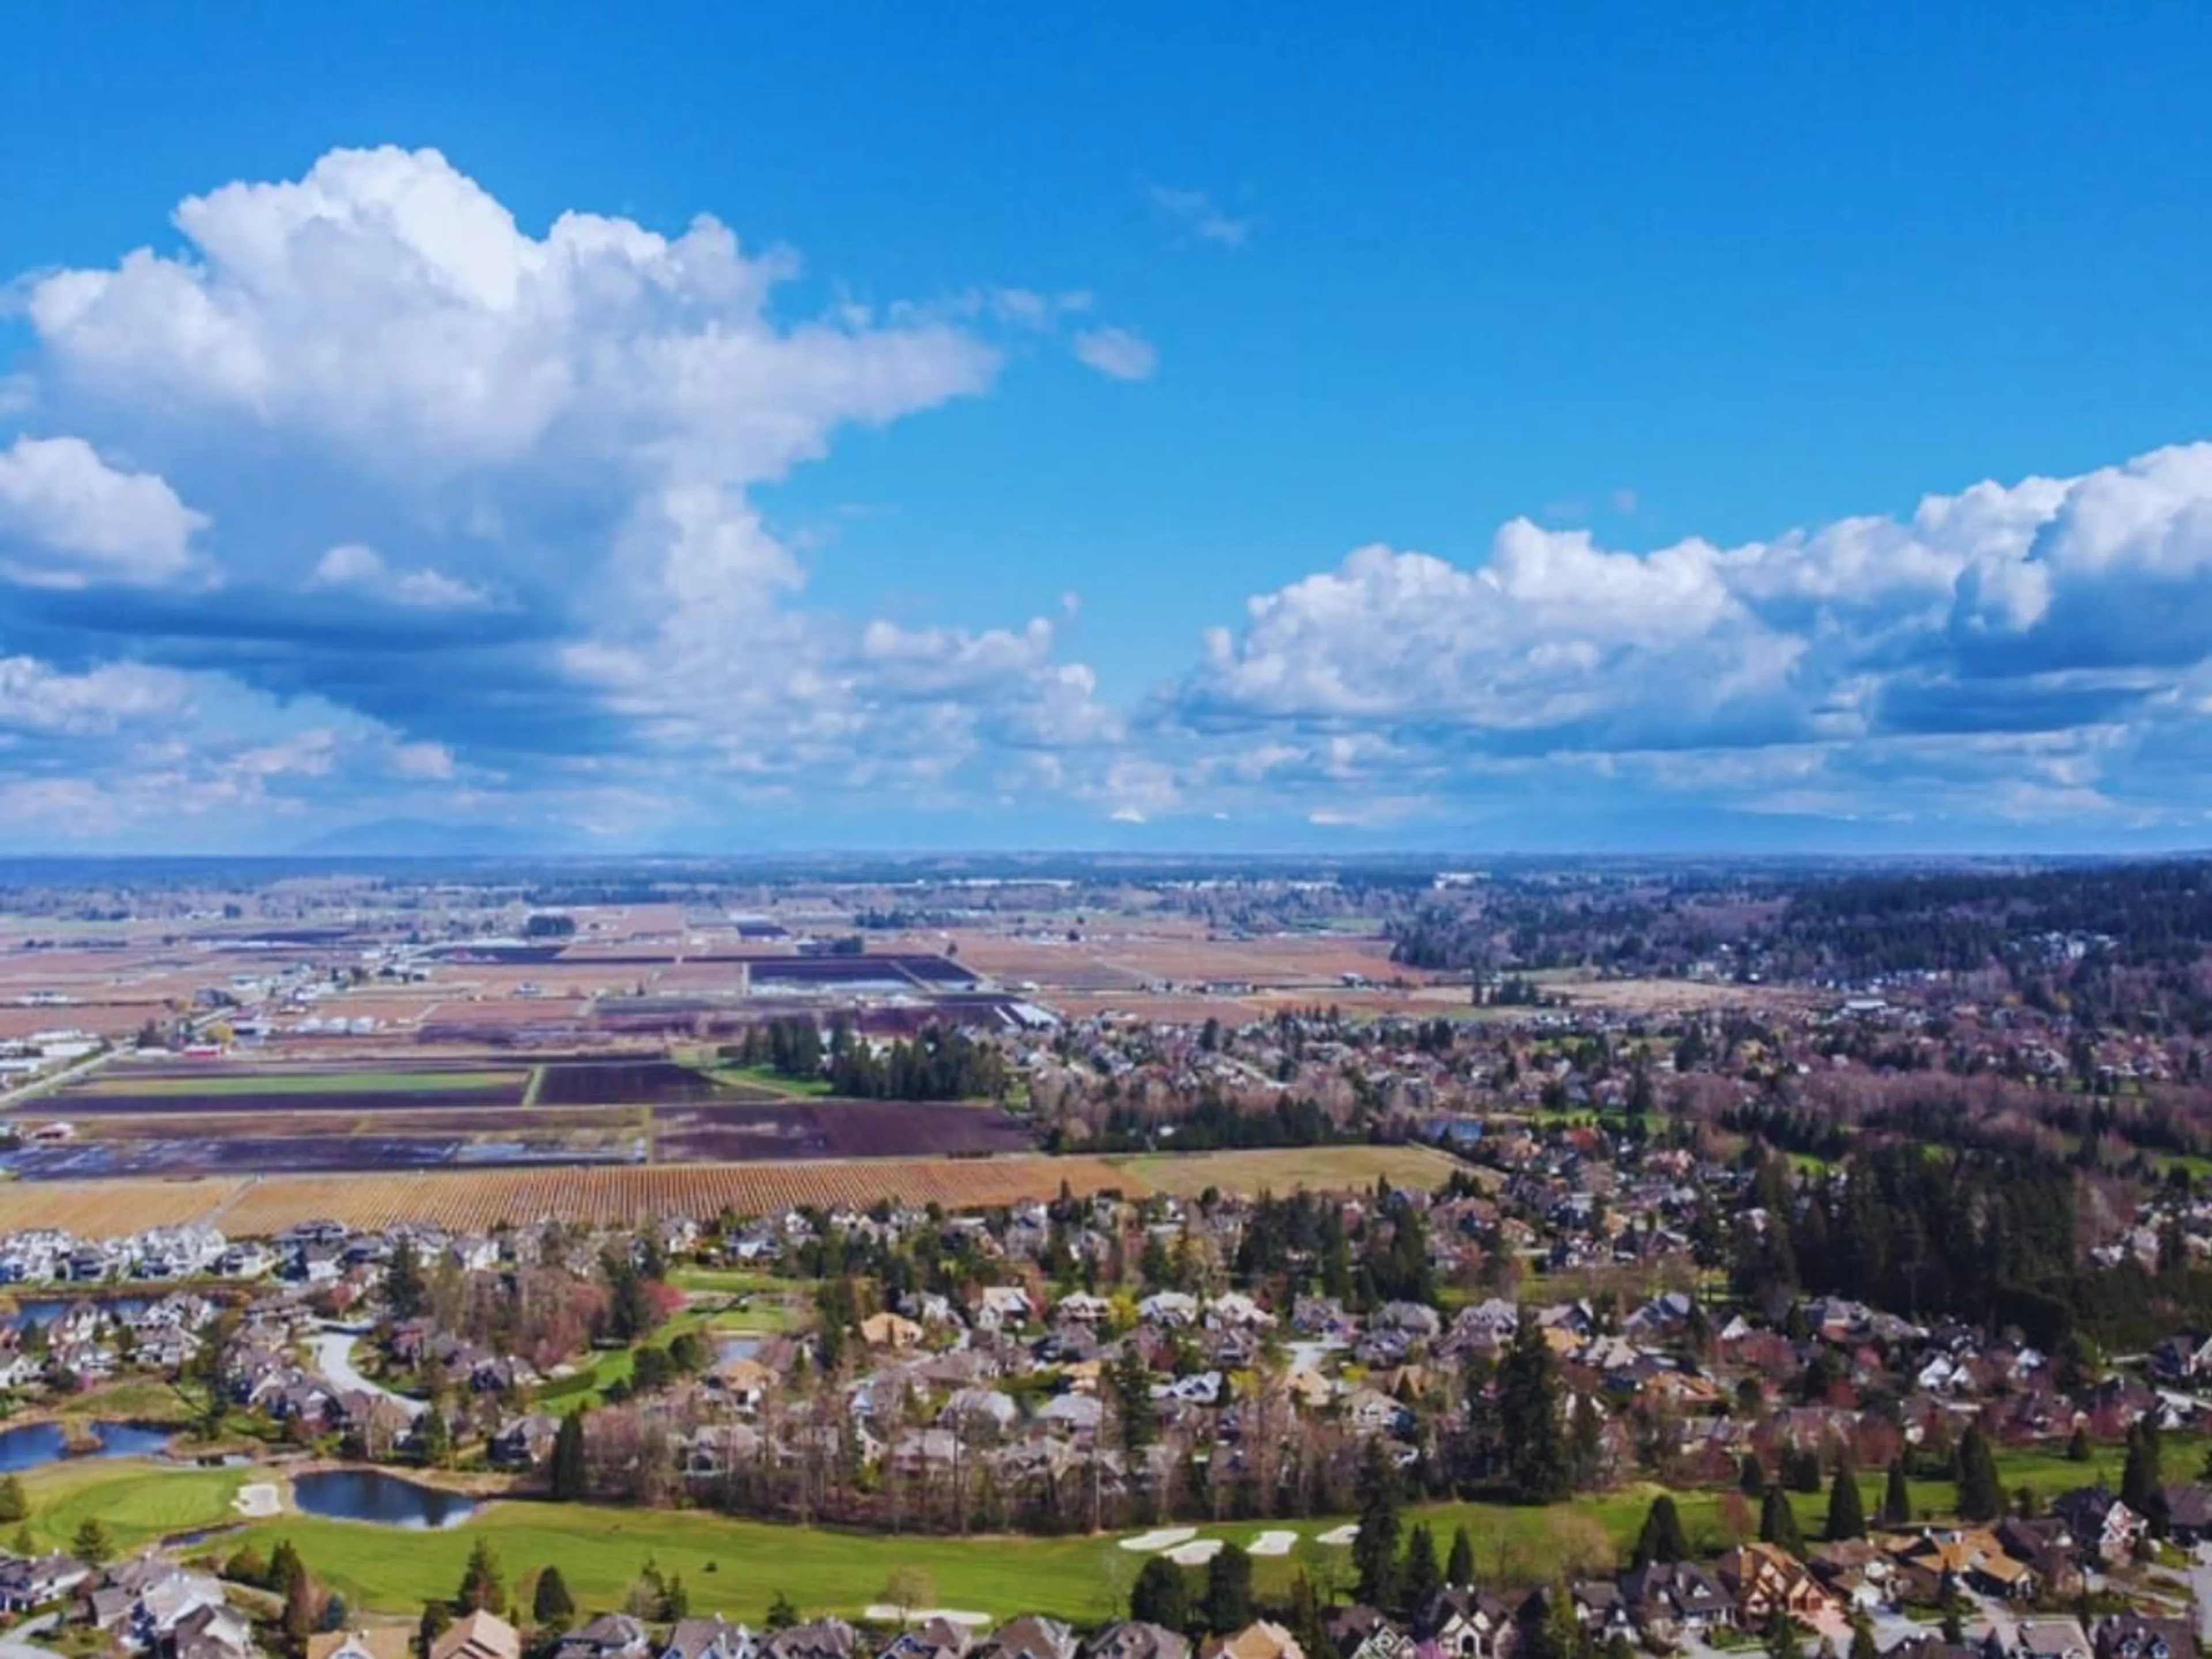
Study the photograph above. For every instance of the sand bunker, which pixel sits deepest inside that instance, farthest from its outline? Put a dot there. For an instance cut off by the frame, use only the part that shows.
(1340, 1534)
(1273, 1543)
(883, 1614)
(258, 1502)
(1162, 1538)
(1197, 1555)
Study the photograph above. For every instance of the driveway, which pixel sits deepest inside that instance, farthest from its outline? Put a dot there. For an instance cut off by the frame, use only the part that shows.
(17, 1644)
(332, 1350)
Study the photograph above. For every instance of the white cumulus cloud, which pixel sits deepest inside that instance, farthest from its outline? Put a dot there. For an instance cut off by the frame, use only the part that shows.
(69, 519)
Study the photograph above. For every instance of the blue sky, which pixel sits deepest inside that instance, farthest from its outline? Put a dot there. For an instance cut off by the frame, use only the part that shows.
(1149, 426)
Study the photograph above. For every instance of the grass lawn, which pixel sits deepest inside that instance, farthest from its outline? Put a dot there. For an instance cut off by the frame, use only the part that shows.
(738, 1567)
(129, 1399)
(137, 1502)
(765, 1076)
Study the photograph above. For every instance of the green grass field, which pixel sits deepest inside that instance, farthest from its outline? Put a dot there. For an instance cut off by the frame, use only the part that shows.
(738, 1566)
(762, 1077)
(137, 1501)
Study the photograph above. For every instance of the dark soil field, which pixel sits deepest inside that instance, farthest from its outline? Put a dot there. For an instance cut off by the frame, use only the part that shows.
(635, 1083)
(833, 1128)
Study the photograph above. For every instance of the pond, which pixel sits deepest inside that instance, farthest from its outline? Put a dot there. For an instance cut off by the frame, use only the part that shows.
(35, 1445)
(737, 1347)
(386, 1500)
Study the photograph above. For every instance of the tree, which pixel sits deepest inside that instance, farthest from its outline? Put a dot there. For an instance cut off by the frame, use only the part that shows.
(907, 1588)
(1556, 1633)
(406, 1292)
(299, 1618)
(1375, 1547)
(1896, 1495)
(2139, 1479)
(437, 1619)
(1846, 1508)
(15, 1503)
(1307, 1625)
(1423, 1578)
(335, 1615)
(2077, 1445)
(1777, 1521)
(1228, 1591)
(286, 1569)
(92, 1545)
(484, 1588)
(551, 1606)
(1536, 1463)
(1132, 1384)
(1161, 1594)
(570, 1475)
(1981, 1498)
(782, 1614)
(1458, 1570)
(1862, 1642)
(1783, 1640)
(1662, 1538)
(675, 1600)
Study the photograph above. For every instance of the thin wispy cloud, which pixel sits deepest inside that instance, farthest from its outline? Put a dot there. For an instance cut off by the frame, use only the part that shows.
(1120, 353)
(1193, 213)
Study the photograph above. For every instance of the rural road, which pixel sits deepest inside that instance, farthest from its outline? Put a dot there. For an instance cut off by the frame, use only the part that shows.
(67, 1075)
(332, 1348)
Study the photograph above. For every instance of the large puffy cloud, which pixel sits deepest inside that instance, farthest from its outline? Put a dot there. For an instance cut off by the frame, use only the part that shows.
(2037, 648)
(490, 494)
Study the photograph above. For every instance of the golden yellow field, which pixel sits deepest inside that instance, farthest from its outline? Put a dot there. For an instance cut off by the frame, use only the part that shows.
(476, 1200)
(1320, 1168)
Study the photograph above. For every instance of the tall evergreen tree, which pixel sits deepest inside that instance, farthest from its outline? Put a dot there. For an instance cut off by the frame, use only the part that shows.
(1422, 1577)
(1777, 1521)
(551, 1606)
(1228, 1591)
(1161, 1594)
(570, 1479)
(1981, 1498)
(406, 1292)
(483, 1588)
(1375, 1547)
(1662, 1538)
(1536, 1461)
(1458, 1570)
(1896, 1495)
(1846, 1508)
(2139, 1478)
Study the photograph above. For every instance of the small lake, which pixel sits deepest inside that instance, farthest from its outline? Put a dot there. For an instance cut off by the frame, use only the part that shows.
(35, 1445)
(385, 1500)
(737, 1347)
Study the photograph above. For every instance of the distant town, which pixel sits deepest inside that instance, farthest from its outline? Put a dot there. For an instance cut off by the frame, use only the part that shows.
(979, 1258)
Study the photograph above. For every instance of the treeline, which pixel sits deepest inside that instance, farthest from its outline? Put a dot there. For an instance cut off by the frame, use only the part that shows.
(1988, 1238)
(1865, 924)
(934, 1065)
(1215, 1124)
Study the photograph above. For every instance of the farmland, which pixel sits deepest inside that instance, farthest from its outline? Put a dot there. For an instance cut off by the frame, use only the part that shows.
(1189, 1175)
(606, 1193)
